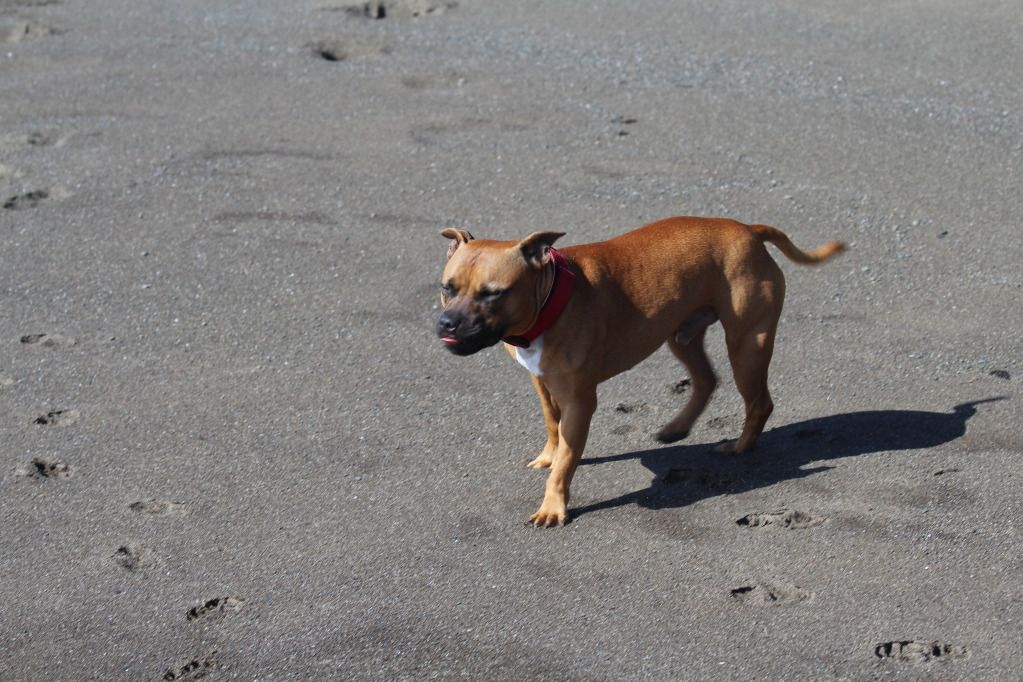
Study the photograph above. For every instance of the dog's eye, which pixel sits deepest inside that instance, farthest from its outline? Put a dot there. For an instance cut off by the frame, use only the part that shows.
(491, 295)
(448, 290)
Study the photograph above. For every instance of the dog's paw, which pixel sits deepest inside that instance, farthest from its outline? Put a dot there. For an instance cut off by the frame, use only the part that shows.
(542, 462)
(667, 435)
(726, 448)
(731, 447)
(550, 514)
(545, 458)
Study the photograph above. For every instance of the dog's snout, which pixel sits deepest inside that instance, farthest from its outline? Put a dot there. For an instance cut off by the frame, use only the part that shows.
(448, 323)
(463, 333)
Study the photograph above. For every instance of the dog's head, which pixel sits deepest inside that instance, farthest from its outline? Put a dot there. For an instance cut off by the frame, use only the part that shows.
(491, 289)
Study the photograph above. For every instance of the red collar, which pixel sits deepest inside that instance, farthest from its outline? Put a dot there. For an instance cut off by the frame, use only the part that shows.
(557, 299)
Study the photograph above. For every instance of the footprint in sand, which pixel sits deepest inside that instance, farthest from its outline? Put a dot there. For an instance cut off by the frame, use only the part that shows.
(48, 340)
(38, 139)
(215, 609)
(715, 481)
(12, 141)
(908, 651)
(770, 594)
(783, 518)
(680, 387)
(14, 30)
(134, 558)
(620, 121)
(339, 51)
(157, 507)
(40, 468)
(329, 50)
(57, 418)
(194, 669)
(20, 202)
(386, 9)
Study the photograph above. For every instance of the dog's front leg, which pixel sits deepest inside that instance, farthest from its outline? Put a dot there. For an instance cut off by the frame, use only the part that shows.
(551, 417)
(573, 429)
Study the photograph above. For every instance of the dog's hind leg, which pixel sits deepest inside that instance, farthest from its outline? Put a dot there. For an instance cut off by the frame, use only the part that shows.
(687, 345)
(750, 317)
(750, 355)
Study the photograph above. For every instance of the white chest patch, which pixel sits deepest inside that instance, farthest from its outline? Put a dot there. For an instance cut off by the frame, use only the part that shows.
(530, 357)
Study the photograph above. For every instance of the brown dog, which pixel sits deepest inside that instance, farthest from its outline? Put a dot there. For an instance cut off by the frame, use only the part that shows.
(577, 319)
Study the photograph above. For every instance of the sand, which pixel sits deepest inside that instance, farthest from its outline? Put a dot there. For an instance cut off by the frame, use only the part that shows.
(232, 446)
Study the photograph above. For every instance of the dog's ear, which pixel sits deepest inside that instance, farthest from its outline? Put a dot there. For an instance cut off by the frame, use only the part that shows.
(457, 237)
(536, 247)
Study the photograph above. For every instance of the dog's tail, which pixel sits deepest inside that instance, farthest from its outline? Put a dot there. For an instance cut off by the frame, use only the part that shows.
(767, 233)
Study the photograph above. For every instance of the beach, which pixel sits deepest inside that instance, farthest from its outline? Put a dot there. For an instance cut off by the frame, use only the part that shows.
(233, 447)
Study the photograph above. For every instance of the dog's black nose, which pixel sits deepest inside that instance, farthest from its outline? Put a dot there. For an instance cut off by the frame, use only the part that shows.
(447, 324)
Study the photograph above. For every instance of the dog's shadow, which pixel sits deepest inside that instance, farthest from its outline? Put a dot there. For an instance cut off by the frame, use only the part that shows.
(684, 474)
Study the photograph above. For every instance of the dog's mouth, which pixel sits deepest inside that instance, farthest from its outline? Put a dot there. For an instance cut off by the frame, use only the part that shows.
(467, 344)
